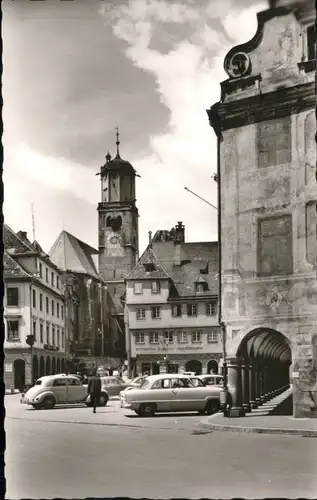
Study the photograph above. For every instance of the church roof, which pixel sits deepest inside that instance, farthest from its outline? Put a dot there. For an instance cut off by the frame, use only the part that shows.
(148, 267)
(12, 269)
(71, 254)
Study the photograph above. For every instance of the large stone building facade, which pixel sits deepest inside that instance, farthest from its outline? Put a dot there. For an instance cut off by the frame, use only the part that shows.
(266, 128)
(34, 306)
(171, 306)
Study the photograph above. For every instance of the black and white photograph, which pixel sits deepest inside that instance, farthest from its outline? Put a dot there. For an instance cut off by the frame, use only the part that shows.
(159, 249)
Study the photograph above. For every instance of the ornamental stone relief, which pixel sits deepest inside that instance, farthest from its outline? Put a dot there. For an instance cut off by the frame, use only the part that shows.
(273, 298)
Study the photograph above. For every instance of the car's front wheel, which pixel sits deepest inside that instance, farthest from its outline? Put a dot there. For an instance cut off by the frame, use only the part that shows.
(37, 406)
(212, 407)
(147, 410)
(103, 400)
(49, 403)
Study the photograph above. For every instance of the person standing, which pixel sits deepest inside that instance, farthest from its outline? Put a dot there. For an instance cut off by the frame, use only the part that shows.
(94, 389)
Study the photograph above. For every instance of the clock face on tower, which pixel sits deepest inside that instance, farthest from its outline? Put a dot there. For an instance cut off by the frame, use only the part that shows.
(113, 244)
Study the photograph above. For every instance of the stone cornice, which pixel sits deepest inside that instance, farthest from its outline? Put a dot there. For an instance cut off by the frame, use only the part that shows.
(262, 107)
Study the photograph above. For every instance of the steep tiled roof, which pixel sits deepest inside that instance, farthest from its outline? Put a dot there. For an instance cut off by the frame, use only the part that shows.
(13, 243)
(143, 270)
(187, 261)
(11, 268)
(70, 253)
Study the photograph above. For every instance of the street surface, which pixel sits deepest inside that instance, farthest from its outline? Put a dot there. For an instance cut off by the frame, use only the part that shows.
(62, 453)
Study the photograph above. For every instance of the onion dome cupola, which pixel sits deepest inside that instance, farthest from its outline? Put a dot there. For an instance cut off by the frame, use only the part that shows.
(117, 178)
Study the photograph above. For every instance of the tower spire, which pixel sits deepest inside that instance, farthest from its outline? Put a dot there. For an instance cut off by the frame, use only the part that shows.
(118, 142)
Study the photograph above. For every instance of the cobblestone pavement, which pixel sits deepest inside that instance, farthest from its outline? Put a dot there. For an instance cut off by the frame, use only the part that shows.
(55, 457)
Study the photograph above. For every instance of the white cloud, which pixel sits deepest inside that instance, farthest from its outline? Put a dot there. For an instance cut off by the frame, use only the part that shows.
(187, 80)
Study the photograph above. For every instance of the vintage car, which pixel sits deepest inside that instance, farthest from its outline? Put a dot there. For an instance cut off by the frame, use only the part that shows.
(113, 385)
(52, 390)
(172, 393)
(133, 384)
(211, 379)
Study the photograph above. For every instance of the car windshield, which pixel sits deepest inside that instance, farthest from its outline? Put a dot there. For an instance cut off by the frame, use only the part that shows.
(145, 384)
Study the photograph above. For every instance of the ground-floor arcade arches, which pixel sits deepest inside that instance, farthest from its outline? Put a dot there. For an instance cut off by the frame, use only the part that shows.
(212, 366)
(194, 366)
(259, 371)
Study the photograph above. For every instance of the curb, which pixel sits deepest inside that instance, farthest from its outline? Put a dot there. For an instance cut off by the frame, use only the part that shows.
(261, 430)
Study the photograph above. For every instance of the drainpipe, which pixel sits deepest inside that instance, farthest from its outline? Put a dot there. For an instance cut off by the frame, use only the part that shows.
(31, 333)
(224, 393)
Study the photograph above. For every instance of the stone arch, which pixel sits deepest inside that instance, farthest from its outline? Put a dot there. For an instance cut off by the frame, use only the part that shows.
(19, 374)
(265, 342)
(53, 366)
(35, 368)
(48, 366)
(42, 366)
(212, 366)
(58, 365)
(194, 365)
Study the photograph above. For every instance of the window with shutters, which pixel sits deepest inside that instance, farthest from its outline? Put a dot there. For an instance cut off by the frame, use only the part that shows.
(191, 310)
(275, 142)
(311, 232)
(47, 334)
(12, 296)
(154, 338)
(46, 302)
(196, 337)
(139, 338)
(41, 333)
(13, 330)
(34, 298)
(275, 246)
(176, 310)
(311, 42)
(182, 337)
(41, 302)
(156, 312)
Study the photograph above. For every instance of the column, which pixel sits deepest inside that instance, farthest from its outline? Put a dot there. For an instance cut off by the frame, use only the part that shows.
(245, 387)
(235, 387)
(252, 386)
(263, 384)
(258, 384)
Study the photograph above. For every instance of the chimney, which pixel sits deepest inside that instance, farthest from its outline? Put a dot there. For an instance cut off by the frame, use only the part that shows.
(22, 234)
(150, 239)
(180, 233)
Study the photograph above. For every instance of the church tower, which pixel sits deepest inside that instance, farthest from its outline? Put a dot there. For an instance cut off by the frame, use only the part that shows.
(118, 222)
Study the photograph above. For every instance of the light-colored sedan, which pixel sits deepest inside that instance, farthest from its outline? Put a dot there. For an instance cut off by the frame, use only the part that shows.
(133, 384)
(113, 385)
(51, 390)
(172, 393)
(211, 379)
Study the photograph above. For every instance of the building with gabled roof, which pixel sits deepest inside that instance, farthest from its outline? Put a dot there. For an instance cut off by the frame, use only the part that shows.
(33, 306)
(90, 307)
(171, 306)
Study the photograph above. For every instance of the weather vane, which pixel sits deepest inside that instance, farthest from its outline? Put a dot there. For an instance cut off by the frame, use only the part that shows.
(118, 142)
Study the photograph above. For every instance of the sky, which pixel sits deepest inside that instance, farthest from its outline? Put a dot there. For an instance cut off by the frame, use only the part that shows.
(74, 70)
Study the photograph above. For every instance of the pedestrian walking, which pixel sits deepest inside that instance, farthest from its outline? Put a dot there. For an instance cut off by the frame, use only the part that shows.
(94, 389)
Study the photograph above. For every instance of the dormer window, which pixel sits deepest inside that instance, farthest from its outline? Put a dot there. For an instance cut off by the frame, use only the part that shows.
(138, 287)
(149, 267)
(199, 287)
(156, 287)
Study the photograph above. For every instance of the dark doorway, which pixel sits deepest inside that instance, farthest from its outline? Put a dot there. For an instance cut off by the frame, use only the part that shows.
(58, 366)
(35, 371)
(53, 366)
(146, 368)
(62, 366)
(19, 374)
(48, 366)
(155, 369)
(172, 368)
(212, 366)
(194, 366)
(42, 367)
